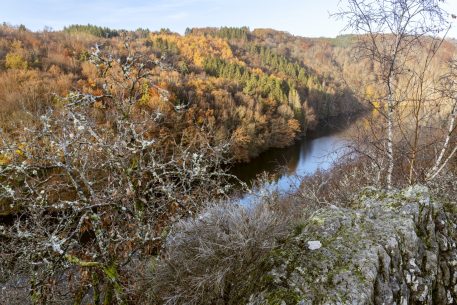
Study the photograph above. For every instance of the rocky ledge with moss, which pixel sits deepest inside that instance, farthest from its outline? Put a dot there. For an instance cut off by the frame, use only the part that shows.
(388, 248)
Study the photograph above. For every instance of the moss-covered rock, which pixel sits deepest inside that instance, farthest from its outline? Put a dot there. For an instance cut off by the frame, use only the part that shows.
(389, 248)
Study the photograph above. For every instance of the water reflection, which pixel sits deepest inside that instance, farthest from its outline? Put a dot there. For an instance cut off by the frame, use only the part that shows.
(292, 163)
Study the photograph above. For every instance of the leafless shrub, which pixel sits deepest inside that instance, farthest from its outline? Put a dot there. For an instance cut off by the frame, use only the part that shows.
(213, 259)
(336, 186)
(401, 38)
(83, 195)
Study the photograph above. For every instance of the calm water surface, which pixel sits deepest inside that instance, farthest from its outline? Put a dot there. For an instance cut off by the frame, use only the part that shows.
(319, 151)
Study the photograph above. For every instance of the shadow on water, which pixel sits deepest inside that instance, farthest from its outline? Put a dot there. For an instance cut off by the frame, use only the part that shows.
(318, 151)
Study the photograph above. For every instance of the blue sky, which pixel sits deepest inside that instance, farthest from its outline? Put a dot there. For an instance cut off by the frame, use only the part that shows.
(300, 17)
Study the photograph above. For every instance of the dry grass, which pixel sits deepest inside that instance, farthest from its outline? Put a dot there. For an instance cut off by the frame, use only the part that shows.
(212, 259)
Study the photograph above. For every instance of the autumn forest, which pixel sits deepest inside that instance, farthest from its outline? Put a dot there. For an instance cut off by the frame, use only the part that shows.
(236, 82)
(117, 150)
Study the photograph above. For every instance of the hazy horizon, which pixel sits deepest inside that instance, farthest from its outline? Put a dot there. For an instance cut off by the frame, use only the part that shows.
(299, 17)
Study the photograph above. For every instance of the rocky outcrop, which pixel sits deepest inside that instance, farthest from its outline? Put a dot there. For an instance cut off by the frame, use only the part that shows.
(389, 248)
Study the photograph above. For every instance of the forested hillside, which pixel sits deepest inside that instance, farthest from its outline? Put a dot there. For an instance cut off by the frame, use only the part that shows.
(339, 58)
(117, 151)
(107, 137)
(252, 88)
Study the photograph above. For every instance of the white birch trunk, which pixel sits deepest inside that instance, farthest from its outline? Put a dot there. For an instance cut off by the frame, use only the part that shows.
(439, 163)
(390, 146)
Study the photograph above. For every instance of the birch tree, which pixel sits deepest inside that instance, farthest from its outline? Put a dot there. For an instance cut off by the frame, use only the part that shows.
(448, 147)
(394, 34)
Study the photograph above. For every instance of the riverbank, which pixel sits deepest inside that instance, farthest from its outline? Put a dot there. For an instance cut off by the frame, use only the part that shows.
(270, 160)
(286, 167)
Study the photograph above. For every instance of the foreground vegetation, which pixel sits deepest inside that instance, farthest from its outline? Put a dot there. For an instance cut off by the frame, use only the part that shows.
(114, 142)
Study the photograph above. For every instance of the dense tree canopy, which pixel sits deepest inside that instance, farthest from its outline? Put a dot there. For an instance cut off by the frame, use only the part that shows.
(108, 137)
(92, 29)
(229, 79)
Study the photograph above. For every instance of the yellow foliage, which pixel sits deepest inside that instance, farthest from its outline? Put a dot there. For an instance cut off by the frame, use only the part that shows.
(4, 160)
(373, 97)
(370, 92)
(376, 104)
(19, 152)
(197, 48)
(258, 71)
(15, 61)
(144, 99)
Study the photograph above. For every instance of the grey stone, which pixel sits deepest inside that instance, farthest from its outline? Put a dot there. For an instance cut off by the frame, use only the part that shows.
(389, 248)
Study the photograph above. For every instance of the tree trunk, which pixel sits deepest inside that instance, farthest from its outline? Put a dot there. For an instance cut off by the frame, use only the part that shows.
(439, 163)
(390, 146)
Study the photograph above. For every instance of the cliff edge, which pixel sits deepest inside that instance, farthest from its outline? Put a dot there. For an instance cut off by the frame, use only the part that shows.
(388, 248)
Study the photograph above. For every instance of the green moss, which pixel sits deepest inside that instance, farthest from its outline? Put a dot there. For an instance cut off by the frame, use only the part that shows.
(317, 220)
(450, 207)
(359, 275)
(298, 229)
(283, 295)
(394, 204)
(344, 234)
